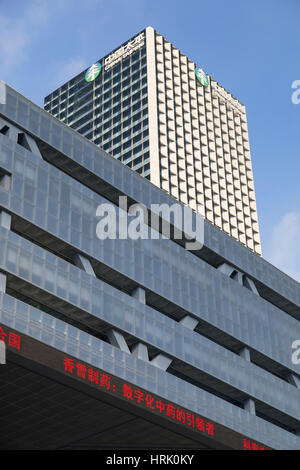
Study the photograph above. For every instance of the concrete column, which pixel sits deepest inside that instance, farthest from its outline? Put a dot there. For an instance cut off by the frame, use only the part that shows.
(229, 271)
(3, 123)
(15, 134)
(117, 339)
(2, 92)
(161, 361)
(226, 269)
(2, 353)
(5, 219)
(241, 278)
(249, 405)
(140, 351)
(5, 182)
(139, 294)
(189, 322)
(83, 263)
(294, 380)
(33, 146)
(238, 276)
(250, 284)
(2, 282)
(245, 353)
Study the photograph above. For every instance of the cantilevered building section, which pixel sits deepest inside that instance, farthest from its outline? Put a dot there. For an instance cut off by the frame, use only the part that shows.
(150, 106)
(130, 343)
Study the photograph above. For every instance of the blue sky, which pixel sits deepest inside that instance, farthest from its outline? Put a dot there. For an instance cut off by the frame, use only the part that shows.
(251, 47)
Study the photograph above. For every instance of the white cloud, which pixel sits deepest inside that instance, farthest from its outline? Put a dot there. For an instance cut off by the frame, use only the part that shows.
(20, 29)
(284, 248)
(91, 4)
(14, 40)
(69, 69)
(36, 11)
(17, 31)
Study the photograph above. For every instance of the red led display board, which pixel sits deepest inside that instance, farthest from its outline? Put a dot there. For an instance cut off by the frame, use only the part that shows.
(11, 340)
(137, 396)
(133, 397)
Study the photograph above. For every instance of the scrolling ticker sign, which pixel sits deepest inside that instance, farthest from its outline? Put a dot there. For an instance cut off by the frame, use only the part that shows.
(22, 346)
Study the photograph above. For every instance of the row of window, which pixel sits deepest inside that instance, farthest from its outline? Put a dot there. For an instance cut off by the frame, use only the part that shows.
(102, 111)
(123, 70)
(131, 96)
(85, 95)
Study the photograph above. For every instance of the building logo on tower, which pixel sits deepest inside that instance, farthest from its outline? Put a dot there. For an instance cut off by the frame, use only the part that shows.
(124, 51)
(223, 95)
(93, 72)
(202, 77)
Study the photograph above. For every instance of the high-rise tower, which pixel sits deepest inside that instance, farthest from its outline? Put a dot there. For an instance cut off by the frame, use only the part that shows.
(150, 106)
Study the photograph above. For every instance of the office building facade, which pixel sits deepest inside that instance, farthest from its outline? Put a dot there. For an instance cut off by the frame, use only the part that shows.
(122, 343)
(151, 107)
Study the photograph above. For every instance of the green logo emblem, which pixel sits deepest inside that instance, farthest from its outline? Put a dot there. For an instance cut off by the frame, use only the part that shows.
(202, 77)
(93, 72)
